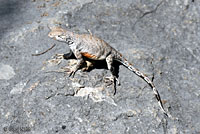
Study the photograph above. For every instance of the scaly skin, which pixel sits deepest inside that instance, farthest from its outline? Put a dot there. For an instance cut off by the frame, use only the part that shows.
(91, 47)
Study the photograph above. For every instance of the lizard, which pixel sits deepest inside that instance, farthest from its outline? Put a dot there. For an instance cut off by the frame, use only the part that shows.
(91, 47)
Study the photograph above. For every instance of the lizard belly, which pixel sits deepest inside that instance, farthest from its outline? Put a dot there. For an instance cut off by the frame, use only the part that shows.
(94, 53)
(89, 56)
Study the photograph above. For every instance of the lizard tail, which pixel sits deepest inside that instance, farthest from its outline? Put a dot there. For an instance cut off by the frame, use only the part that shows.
(144, 77)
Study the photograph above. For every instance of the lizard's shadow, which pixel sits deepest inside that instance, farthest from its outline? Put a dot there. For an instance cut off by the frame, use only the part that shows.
(97, 64)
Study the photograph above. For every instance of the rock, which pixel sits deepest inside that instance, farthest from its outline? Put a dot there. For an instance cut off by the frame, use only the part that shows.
(6, 72)
(160, 38)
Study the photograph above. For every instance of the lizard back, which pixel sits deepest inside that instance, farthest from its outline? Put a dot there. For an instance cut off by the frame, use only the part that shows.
(93, 47)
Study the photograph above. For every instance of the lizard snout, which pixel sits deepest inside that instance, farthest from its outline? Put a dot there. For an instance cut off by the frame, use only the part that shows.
(50, 35)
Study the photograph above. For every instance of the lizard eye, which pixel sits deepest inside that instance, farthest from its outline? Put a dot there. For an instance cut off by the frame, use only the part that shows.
(69, 41)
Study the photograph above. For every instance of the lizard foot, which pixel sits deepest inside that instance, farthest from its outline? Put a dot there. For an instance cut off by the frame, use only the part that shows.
(72, 72)
(57, 58)
(65, 69)
(111, 80)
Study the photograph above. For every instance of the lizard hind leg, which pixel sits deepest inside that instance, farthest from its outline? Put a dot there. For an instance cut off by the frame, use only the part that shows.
(87, 66)
(113, 78)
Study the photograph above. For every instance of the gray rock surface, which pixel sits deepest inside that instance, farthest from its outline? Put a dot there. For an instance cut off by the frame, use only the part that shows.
(161, 38)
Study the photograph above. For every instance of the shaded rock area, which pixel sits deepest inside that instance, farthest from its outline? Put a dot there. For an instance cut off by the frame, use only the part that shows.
(160, 38)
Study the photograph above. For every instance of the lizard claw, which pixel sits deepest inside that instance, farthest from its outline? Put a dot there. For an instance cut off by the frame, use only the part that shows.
(56, 59)
(58, 56)
(72, 73)
(118, 82)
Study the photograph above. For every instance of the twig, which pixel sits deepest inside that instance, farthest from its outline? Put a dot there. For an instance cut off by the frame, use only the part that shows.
(44, 51)
(89, 31)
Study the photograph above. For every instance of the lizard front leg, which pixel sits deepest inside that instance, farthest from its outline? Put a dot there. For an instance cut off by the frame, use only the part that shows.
(79, 63)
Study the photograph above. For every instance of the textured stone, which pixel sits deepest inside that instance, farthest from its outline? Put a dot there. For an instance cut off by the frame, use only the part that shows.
(161, 38)
(6, 72)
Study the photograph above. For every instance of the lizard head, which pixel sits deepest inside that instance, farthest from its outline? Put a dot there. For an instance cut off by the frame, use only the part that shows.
(59, 34)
